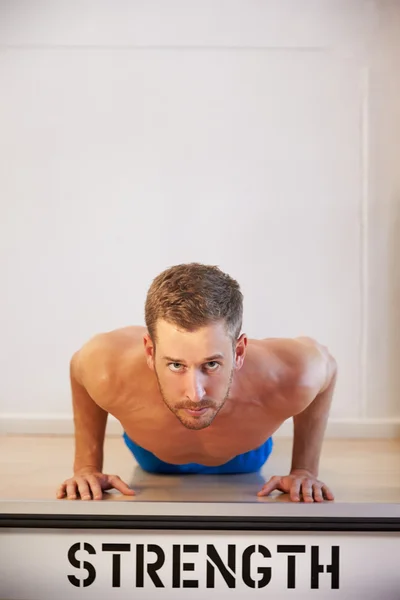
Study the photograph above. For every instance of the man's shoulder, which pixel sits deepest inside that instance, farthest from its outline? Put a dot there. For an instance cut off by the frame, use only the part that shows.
(301, 363)
(315, 363)
(101, 355)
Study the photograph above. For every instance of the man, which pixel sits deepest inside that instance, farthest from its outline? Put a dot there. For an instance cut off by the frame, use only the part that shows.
(195, 395)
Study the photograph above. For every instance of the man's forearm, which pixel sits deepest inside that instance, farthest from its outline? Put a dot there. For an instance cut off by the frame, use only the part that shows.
(90, 422)
(309, 431)
(89, 439)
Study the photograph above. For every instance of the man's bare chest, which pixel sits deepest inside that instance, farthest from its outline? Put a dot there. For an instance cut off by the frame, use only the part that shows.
(239, 427)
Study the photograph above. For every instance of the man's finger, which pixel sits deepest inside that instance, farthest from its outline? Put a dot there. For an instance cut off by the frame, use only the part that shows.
(61, 491)
(83, 488)
(306, 489)
(270, 486)
(71, 490)
(120, 485)
(317, 492)
(295, 490)
(95, 486)
(327, 493)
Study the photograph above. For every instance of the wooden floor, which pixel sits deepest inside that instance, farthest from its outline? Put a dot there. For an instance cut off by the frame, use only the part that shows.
(32, 467)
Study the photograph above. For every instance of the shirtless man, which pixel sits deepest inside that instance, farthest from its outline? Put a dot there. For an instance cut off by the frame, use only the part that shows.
(195, 395)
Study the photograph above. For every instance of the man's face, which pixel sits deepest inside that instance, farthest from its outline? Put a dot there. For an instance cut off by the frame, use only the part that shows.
(194, 370)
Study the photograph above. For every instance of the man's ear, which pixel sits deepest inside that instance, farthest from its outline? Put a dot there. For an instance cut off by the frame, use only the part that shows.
(149, 350)
(240, 351)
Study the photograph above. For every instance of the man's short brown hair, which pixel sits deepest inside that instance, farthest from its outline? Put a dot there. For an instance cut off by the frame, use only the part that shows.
(194, 295)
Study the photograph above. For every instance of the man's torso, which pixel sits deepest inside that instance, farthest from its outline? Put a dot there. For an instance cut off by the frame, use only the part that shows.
(279, 378)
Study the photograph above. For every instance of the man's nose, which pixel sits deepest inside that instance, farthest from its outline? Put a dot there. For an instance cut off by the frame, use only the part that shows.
(194, 383)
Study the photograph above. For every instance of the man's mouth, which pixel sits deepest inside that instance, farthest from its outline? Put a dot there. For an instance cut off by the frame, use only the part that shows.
(197, 412)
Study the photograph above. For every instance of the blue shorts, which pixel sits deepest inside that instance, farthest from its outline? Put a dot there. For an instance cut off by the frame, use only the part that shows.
(249, 462)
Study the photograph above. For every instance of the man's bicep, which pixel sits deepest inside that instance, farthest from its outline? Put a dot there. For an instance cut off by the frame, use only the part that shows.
(80, 394)
(317, 366)
(74, 367)
(331, 372)
(328, 367)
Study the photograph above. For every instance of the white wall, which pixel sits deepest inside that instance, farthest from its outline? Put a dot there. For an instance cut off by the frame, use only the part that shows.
(260, 136)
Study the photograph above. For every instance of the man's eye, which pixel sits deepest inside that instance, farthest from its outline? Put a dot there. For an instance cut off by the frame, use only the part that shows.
(177, 365)
(212, 365)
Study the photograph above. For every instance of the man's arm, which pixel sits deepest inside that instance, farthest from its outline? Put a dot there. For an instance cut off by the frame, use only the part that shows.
(309, 425)
(312, 398)
(90, 422)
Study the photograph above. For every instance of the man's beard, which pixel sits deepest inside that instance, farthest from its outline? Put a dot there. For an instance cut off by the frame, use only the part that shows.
(202, 422)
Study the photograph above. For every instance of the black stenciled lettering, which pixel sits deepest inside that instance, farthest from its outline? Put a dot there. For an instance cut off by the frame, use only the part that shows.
(291, 550)
(316, 568)
(153, 567)
(246, 567)
(140, 565)
(77, 564)
(116, 560)
(176, 566)
(214, 560)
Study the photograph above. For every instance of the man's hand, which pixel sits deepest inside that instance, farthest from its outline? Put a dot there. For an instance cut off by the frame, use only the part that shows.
(299, 483)
(90, 484)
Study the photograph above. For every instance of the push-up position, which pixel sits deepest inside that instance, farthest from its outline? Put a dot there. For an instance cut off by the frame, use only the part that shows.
(195, 395)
